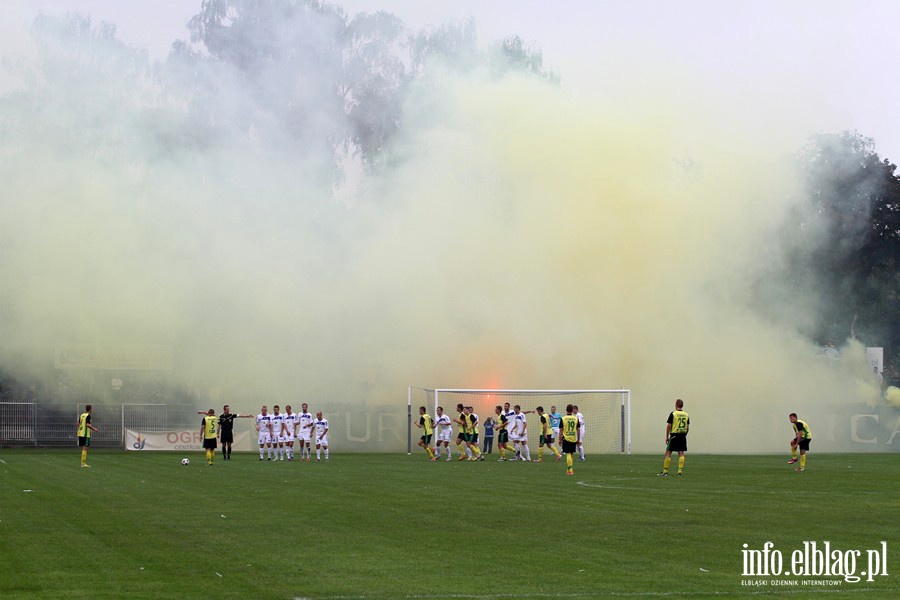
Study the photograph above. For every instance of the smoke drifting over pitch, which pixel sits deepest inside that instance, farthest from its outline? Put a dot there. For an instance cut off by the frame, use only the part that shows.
(526, 238)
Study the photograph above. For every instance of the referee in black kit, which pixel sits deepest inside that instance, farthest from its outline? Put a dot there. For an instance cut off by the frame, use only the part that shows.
(226, 429)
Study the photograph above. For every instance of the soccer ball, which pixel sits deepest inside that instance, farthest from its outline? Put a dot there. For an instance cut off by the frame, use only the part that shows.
(185, 461)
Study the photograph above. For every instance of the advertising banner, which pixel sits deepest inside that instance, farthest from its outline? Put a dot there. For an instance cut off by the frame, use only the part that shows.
(182, 441)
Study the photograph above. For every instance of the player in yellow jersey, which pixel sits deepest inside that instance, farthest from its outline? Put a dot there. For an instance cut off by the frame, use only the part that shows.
(802, 438)
(426, 424)
(461, 438)
(677, 426)
(546, 436)
(502, 434)
(84, 433)
(571, 437)
(208, 433)
(472, 434)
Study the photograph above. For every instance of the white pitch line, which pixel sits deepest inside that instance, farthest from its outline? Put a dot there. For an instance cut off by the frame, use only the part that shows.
(682, 491)
(3, 461)
(806, 590)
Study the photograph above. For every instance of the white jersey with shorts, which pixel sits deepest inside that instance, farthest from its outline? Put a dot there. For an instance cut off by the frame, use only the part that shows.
(263, 422)
(444, 429)
(290, 427)
(305, 431)
(321, 432)
(511, 426)
(277, 433)
(520, 427)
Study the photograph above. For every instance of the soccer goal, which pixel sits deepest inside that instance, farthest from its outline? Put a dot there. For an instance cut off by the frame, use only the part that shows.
(607, 413)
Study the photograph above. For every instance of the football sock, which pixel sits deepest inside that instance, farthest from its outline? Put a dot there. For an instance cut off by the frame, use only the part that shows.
(794, 452)
(318, 454)
(555, 450)
(802, 461)
(568, 460)
(326, 453)
(541, 453)
(260, 454)
(680, 464)
(83, 455)
(666, 462)
(527, 452)
(429, 451)
(581, 451)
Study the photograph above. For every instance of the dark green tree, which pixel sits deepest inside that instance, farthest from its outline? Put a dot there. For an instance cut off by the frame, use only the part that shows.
(855, 214)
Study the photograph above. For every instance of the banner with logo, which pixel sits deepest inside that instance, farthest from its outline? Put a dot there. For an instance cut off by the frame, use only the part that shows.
(182, 441)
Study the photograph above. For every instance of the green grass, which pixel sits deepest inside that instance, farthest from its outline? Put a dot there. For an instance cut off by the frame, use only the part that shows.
(139, 525)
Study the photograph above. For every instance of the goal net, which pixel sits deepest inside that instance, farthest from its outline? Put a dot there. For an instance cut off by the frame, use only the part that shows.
(607, 413)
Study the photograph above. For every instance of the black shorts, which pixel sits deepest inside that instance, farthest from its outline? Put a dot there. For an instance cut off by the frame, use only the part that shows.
(503, 437)
(473, 437)
(569, 447)
(426, 439)
(84, 441)
(677, 443)
(804, 444)
(546, 440)
(209, 443)
(226, 436)
(461, 437)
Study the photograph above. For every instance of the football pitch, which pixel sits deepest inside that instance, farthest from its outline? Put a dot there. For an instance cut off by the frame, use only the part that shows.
(380, 526)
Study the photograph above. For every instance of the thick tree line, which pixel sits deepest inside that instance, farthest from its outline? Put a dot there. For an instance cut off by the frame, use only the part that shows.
(854, 216)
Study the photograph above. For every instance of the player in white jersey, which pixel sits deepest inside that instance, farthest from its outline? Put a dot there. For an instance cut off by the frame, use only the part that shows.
(278, 432)
(580, 418)
(520, 424)
(444, 432)
(304, 431)
(290, 429)
(321, 426)
(264, 427)
(511, 427)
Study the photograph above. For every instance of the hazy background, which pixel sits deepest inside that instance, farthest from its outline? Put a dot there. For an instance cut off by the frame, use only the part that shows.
(607, 231)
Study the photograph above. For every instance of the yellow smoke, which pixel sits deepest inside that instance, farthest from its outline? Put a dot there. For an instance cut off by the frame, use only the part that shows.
(892, 395)
(528, 238)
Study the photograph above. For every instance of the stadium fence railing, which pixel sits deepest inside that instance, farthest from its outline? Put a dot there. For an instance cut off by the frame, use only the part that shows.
(24, 424)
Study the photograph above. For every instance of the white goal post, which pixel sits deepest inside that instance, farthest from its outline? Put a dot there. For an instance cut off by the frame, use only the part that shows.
(607, 413)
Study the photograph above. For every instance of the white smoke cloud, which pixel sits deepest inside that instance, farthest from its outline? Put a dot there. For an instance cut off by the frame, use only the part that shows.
(527, 237)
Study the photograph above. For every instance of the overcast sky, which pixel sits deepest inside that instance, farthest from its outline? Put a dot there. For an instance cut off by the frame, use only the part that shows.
(825, 65)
